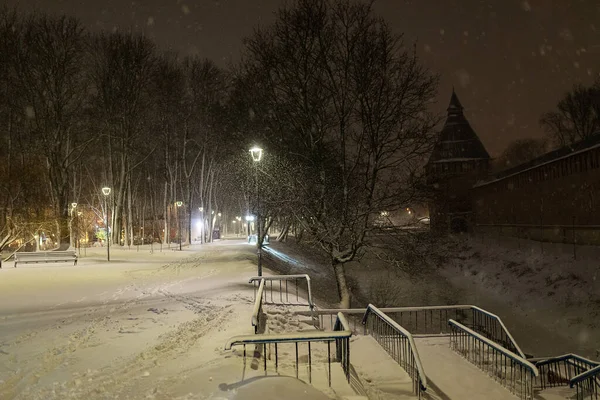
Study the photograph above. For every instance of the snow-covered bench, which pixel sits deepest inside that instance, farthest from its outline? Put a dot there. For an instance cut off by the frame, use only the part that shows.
(45, 257)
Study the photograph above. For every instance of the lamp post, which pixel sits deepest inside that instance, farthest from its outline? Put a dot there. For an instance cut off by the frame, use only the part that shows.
(257, 154)
(72, 236)
(78, 229)
(239, 228)
(179, 204)
(106, 193)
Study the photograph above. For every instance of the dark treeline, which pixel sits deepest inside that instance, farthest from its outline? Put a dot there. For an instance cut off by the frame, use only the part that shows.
(80, 111)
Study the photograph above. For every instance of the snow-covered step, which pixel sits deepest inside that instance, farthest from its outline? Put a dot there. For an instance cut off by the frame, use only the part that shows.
(381, 377)
(453, 377)
(555, 393)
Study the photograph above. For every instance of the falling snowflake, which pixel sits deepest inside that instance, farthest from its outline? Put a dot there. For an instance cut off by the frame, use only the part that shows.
(185, 9)
(150, 21)
(525, 5)
(566, 34)
(442, 32)
(463, 77)
(427, 48)
(29, 112)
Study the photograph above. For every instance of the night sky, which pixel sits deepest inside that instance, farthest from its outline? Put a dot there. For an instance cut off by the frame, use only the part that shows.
(509, 60)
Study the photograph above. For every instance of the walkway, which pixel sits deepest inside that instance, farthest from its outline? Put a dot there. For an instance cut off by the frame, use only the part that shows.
(380, 375)
(453, 377)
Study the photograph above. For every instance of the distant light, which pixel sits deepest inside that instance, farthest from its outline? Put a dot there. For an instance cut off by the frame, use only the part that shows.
(385, 213)
(256, 153)
(106, 191)
(219, 214)
(249, 218)
(201, 209)
(234, 221)
(73, 205)
(179, 203)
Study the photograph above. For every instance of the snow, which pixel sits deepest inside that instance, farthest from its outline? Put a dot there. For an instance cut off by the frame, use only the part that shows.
(154, 326)
(548, 301)
(452, 377)
(382, 377)
(142, 326)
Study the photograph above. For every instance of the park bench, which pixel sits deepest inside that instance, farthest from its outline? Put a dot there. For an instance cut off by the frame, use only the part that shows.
(45, 257)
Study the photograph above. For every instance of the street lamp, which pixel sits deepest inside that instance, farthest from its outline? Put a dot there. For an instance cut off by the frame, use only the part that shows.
(179, 204)
(106, 193)
(257, 153)
(72, 239)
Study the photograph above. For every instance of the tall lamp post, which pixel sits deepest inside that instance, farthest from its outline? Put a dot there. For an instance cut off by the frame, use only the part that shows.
(73, 213)
(257, 154)
(106, 193)
(179, 204)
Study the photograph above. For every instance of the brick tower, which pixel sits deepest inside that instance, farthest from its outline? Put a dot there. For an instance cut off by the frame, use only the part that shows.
(458, 160)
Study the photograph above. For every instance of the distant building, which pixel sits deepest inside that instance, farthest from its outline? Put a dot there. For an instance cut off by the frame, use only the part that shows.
(457, 162)
(555, 197)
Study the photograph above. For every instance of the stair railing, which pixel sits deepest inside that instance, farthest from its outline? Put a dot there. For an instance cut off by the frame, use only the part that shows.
(509, 369)
(398, 343)
(586, 384)
(560, 370)
(340, 336)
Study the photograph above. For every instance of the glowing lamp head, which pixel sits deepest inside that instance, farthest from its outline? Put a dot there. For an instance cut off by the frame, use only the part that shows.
(106, 191)
(219, 214)
(179, 203)
(249, 218)
(256, 153)
(201, 209)
(73, 205)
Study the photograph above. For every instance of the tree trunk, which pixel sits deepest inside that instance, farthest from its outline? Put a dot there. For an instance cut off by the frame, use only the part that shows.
(342, 286)
(283, 234)
(166, 219)
(129, 213)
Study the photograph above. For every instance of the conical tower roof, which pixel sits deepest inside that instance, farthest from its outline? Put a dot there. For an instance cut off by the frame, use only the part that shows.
(457, 141)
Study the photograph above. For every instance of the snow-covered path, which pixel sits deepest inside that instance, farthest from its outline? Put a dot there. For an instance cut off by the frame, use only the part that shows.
(144, 326)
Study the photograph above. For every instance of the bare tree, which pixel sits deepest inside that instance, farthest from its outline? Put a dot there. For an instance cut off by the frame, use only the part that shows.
(349, 101)
(51, 83)
(122, 68)
(577, 116)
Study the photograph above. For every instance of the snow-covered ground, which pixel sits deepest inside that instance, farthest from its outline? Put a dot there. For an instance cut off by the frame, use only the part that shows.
(144, 326)
(548, 301)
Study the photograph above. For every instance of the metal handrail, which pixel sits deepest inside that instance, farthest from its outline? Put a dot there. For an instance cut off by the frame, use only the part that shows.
(538, 361)
(511, 345)
(585, 375)
(341, 336)
(515, 357)
(258, 306)
(562, 370)
(294, 336)
(421, 377)
(587, 383)
(287, 278)
(505, 330)
(506, 367)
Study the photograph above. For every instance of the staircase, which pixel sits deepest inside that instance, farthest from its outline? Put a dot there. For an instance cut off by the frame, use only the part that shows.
(438, 353)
